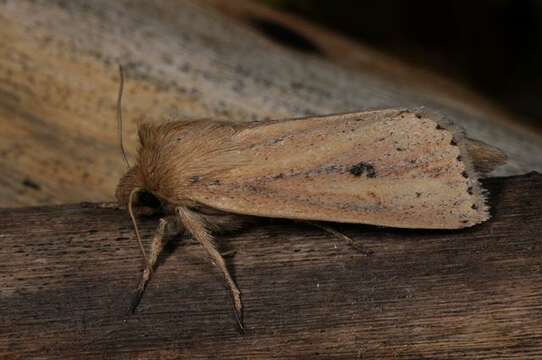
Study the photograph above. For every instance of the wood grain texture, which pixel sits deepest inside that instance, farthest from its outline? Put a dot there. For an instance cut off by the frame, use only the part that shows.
(186, 59)
(67, 273)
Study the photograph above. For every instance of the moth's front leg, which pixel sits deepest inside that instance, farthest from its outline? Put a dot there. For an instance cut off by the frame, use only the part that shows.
(166, 226)
(195, 224)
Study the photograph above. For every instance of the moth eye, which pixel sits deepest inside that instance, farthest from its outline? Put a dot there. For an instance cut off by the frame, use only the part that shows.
(147, 199)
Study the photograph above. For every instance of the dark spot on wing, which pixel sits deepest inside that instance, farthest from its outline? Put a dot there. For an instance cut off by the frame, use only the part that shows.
(29, 183)
(363, 168)
(330, 169)
(323, 170)
(194, 179)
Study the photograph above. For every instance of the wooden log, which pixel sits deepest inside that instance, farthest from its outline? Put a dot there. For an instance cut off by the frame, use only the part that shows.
(188, 59)
(67, 274)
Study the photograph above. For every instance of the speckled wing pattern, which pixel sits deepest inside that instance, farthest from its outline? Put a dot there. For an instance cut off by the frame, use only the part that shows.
(396, 168)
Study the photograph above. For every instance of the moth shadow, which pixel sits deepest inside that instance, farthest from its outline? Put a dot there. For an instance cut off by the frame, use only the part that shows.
(494, 194)
(174, 242)
(177, 242)
(369, 240)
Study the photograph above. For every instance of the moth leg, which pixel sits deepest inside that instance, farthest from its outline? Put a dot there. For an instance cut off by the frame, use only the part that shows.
(357, 246)
(228, 253)
(159, 240)
(195, 224)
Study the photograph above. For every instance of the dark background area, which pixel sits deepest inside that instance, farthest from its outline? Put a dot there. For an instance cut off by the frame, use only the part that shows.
(492, 46)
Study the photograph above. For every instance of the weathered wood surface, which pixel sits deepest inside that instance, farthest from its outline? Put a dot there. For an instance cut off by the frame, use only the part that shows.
(187, 59)
(67, 274)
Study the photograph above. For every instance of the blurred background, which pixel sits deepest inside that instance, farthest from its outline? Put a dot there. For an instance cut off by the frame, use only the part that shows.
(492, 46)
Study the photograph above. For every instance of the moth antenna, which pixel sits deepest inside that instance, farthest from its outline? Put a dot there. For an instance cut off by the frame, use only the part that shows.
(134, 222)
(120, 130)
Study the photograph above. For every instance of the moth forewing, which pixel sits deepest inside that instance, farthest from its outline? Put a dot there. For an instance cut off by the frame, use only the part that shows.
(390, 167)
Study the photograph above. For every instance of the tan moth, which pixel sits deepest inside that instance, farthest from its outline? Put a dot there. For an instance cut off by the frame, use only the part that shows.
(394, 167)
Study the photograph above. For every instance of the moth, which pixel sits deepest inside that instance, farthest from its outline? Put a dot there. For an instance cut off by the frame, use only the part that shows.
(395, 167)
